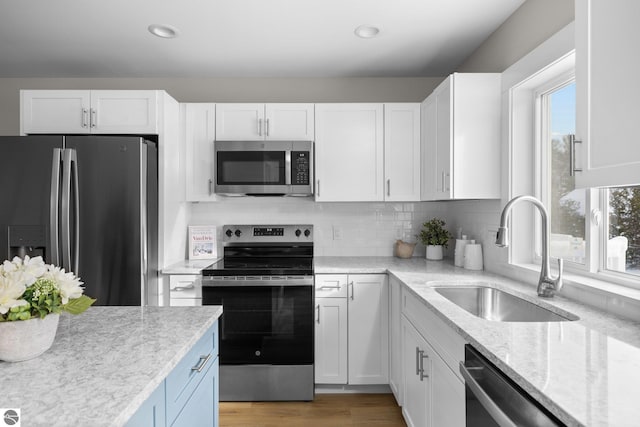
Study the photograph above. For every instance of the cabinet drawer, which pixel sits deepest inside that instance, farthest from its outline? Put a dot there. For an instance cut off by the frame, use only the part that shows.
(331, 286)
(184, 379)
(185, 286)
(445, 341)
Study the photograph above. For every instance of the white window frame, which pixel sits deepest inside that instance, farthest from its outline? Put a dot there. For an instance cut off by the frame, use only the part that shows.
(542, 173)
(551, 62)
(624, 279)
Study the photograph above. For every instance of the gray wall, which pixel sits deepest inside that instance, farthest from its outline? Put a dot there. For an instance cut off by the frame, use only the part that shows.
(534, 22)
(375, 89)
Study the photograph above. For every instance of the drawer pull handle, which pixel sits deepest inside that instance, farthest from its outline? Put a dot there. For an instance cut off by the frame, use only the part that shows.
(202, 363)
(184, 288)
(330, 287)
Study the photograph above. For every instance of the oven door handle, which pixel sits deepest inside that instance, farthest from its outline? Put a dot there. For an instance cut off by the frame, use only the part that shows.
(485, 400)
(209, 282)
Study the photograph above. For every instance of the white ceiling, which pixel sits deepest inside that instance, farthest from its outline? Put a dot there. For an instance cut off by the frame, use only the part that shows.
(243, 38)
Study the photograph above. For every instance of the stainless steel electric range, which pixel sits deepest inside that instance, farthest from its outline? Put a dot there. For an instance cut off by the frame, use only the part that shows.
(265, 285)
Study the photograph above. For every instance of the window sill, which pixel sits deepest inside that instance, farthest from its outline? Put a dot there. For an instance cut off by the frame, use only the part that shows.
(613, 298)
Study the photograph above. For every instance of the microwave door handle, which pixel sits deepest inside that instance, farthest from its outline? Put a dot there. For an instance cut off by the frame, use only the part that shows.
(287, 167)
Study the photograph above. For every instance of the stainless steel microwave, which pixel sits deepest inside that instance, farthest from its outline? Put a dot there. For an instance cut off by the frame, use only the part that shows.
(264, 167)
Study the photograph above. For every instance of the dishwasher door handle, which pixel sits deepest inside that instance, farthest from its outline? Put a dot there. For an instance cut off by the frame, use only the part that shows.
(485, 400)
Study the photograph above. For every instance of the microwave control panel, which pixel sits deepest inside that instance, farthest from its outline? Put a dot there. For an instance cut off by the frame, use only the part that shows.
(300, 168)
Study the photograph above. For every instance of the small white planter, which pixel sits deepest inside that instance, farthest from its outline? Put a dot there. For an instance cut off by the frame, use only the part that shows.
(434, 252)
(26, 339)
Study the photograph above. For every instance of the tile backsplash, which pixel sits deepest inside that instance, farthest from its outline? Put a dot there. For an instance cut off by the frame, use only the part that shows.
(371, 229)
(353, 229)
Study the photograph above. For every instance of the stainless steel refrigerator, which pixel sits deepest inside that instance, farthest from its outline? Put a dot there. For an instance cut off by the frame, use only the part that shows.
(88, 204)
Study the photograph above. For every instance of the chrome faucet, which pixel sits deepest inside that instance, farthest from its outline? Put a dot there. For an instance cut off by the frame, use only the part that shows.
(547, 285)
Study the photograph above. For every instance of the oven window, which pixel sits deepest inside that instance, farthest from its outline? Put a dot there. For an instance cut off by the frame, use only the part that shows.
(264, 324)
(251, 167)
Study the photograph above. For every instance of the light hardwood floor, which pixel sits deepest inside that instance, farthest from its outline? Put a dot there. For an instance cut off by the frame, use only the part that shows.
(327, 410)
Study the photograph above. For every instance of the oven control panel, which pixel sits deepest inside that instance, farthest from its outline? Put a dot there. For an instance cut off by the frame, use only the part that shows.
(267, 233)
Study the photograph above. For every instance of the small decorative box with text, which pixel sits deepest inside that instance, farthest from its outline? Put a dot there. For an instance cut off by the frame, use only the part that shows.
(202, 242)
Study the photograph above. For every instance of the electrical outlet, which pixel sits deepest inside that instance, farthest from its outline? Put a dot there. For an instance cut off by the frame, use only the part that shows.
(337, 233)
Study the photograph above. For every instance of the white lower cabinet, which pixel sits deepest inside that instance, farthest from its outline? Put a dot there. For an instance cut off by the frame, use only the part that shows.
(417, 368)
(352, 342)
(331, 341)
(433, 390)
(395, 340)
(368, 329)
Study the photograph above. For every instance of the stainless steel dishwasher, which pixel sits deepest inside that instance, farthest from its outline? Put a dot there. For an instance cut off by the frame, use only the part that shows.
(494, 400)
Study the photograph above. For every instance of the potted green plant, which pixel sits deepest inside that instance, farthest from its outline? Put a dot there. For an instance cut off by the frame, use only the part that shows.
(434, 236)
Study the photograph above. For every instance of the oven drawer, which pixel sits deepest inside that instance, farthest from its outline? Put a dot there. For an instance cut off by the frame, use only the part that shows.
(331, 286)
(186, 376)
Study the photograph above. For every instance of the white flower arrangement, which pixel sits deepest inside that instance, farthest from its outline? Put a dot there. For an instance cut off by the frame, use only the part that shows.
(30, 288)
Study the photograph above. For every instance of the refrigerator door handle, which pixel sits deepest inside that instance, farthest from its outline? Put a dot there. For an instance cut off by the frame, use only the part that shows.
(54, 208)
(144, 255)
(76, 205)
(69, 178)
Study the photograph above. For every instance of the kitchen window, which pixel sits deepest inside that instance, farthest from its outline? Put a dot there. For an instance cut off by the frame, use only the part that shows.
(596, 231)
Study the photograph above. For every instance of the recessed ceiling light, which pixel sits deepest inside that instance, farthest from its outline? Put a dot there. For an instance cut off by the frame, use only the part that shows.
(366, 31)
(164, 31)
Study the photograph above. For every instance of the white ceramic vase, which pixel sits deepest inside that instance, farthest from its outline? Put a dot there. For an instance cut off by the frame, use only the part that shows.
(26, 339)
(434, 252)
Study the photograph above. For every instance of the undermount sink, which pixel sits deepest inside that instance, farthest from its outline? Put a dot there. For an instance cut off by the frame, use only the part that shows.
(493, 304)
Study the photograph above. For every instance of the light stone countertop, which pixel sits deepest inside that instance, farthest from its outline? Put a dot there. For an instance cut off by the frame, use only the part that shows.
(104, 363)
(586, 371)
(194, 266)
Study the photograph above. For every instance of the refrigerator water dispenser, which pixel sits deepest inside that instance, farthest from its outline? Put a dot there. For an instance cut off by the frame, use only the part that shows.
(27, 240)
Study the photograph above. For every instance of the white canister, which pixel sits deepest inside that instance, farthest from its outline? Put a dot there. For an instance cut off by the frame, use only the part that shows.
(473, 256)
(458, 258)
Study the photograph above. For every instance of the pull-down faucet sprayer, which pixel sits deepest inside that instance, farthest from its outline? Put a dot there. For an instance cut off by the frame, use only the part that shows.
(547, 285)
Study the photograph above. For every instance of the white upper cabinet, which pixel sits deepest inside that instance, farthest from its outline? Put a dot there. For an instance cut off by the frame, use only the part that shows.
(428, 141)
(402, 152)
(258, 122)
(607, 70)
(240, 122)
(289, 122)
(54, 111)
(349, 152)
(461, 138)
(198, 129)
(89, 111)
